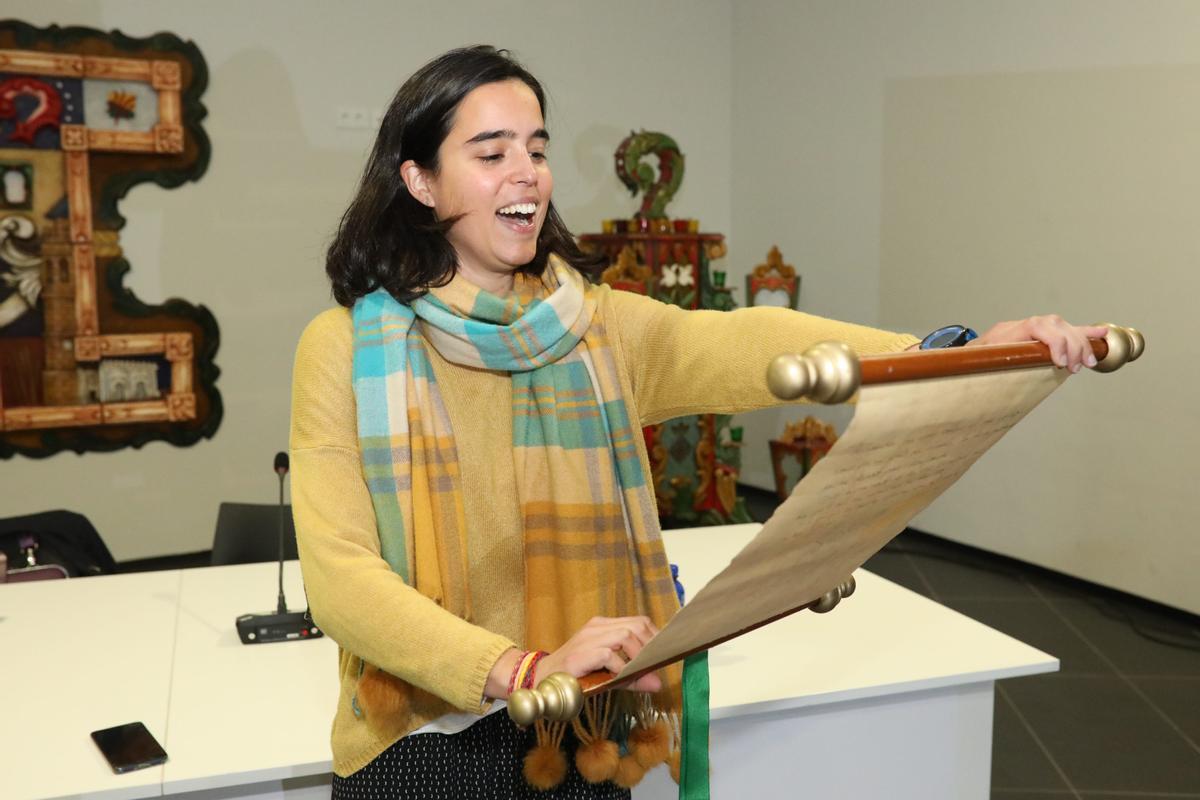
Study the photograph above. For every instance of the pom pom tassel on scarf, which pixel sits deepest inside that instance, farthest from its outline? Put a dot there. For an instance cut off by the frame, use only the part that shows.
(616, 722)
(545, 765)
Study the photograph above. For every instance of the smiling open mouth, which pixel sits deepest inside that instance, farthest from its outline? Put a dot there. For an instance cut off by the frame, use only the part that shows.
(518, 214)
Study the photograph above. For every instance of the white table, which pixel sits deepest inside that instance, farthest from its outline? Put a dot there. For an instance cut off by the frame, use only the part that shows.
(77, 656)
(890, 695)
(245, 714)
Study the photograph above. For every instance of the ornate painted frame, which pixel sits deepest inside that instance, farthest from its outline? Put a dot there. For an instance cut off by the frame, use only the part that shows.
(108, 320)
(774, 276)
(807, 441)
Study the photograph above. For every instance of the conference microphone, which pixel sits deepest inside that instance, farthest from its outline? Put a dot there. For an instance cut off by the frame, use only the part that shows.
(281, 469)
(283, 625)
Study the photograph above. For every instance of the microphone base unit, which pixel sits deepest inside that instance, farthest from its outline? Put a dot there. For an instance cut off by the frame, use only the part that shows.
(288, 627)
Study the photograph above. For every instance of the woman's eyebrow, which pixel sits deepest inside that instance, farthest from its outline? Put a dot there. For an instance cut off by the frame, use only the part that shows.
(505, 133)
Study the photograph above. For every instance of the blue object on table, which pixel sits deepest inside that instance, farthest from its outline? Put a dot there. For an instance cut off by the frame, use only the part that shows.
(678, 585)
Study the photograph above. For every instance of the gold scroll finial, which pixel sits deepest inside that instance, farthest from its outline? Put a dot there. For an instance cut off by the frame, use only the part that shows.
(828, 601)
(557, 698)
(827, 372)
(1124, 345)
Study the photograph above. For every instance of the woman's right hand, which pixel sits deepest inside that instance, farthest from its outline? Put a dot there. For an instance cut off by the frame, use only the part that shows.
(603, 643)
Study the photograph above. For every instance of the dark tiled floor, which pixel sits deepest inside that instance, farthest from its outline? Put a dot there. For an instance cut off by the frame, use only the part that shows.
(1120, 721)
(1024, 765)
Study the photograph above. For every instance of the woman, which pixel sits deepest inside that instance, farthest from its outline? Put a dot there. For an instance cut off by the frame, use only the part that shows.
(469, 479)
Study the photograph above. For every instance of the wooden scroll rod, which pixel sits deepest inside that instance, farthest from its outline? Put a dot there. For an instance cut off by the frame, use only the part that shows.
(559, 697)
(829, 372)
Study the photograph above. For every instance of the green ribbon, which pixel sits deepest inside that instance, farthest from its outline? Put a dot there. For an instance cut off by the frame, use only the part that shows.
(693, 759)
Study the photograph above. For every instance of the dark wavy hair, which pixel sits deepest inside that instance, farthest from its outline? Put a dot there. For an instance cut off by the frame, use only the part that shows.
(387, 238)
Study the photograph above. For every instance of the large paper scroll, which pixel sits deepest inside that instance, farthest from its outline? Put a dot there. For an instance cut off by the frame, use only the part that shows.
(908, 443)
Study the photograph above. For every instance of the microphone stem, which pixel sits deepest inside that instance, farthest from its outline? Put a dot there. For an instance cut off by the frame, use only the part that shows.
(282, 609)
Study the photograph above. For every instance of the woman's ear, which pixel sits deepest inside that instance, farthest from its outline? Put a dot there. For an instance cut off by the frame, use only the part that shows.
(417, 181)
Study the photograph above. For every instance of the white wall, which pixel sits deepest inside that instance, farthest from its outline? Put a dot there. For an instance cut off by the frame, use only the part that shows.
(940, 160)
(795, 117)
(248, 239)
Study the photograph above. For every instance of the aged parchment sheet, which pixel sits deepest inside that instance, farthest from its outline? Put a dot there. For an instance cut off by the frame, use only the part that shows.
(907, 443)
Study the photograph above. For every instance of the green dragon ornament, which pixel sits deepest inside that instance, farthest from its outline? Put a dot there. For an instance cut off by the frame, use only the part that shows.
(639, 177)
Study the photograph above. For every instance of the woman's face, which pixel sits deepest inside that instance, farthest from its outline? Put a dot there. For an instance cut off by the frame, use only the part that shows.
(493, 172)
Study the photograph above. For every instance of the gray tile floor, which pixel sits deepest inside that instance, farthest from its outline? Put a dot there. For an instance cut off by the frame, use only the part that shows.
(1121, 720)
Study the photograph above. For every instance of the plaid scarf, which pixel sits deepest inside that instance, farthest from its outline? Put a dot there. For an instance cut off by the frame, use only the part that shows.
(591, 534)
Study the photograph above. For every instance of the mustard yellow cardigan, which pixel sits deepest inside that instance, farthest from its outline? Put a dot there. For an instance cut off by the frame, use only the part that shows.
(671, 362)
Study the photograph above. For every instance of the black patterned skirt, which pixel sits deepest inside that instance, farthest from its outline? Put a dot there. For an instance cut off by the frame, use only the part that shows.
(483, 761)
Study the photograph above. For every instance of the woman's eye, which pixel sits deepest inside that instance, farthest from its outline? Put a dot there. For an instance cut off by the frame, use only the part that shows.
(538, 156)
(492, 157)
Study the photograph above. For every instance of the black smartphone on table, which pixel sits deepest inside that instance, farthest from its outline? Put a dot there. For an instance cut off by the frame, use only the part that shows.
(129, 747)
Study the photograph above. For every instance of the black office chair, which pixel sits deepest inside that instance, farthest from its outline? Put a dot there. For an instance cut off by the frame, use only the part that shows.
(249, 532)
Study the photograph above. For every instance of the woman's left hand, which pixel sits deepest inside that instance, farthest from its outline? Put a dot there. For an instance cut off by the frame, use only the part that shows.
(1069, 345)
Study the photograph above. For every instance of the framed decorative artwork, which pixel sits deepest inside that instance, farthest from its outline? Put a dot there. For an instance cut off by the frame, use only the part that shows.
(84, 364)
(694, 460)
(627, 274)
(803, 443)
(773, 283)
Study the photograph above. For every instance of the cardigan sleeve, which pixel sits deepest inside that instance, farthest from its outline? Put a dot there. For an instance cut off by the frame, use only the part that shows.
(355, 597)
(715, 362)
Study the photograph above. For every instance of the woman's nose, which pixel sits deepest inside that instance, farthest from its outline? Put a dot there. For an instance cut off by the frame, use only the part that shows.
(524, 171)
